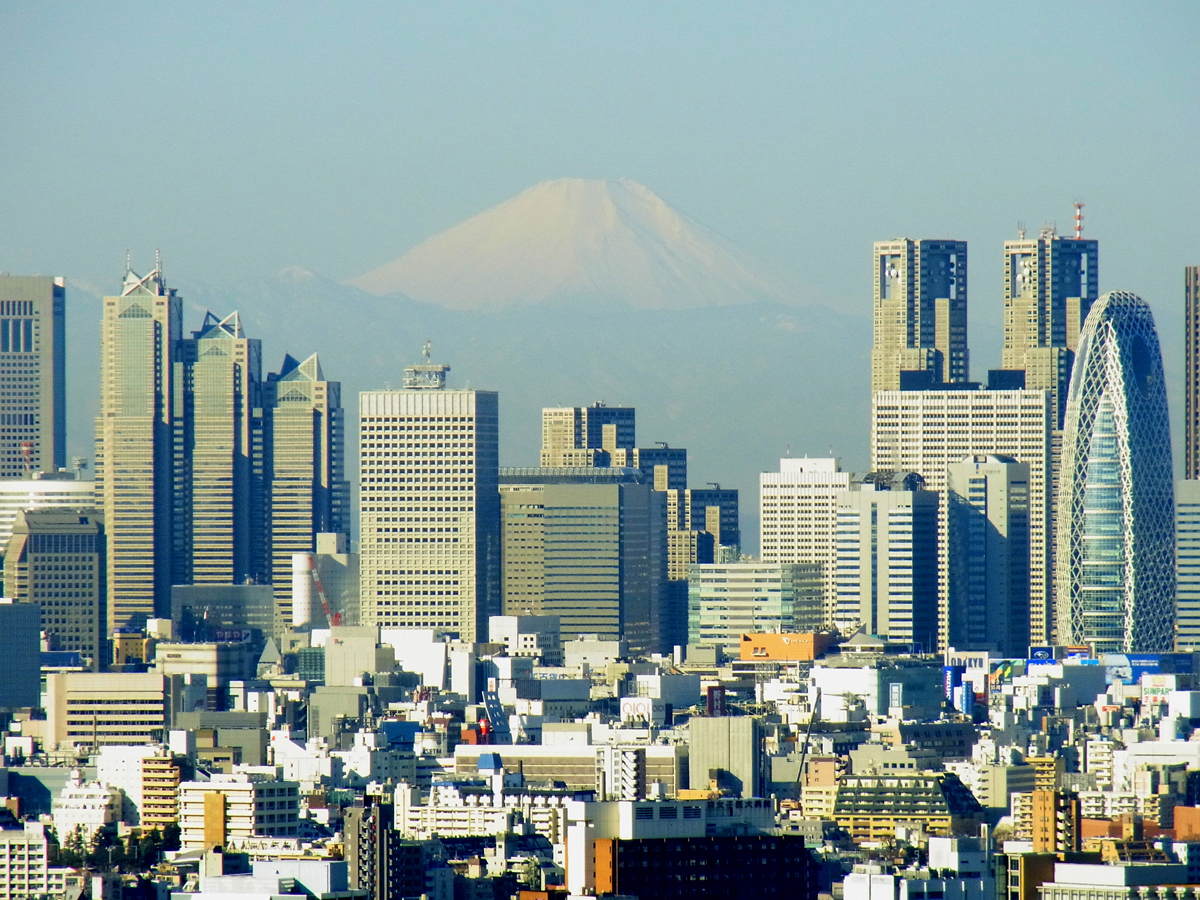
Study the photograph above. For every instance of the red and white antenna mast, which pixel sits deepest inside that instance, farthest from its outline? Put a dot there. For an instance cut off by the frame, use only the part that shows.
(1079, 221)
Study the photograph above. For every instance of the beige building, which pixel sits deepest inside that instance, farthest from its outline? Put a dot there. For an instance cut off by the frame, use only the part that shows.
(90, 709)
(920, 314)
(41, 490)
(25, 870)
(139, 339)
(798, 518)
(928, 431)
(586, 436)
(33, 420)
(429, 551)
(56, 560)
(149, 777)
(231, 809)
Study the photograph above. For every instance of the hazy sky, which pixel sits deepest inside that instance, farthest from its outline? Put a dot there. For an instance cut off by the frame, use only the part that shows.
(241, 138)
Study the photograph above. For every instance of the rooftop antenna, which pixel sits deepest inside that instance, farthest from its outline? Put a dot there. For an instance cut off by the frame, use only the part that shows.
(715, 485)
(158, 260)
(787, 452)
(427, 351)
(1078, 221)
(128, 261)
(1020, 231)
(663, 444)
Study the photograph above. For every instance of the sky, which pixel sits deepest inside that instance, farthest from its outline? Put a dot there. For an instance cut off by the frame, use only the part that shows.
(243, 138)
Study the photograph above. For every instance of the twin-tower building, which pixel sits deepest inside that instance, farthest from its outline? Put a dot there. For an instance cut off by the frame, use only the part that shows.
(1063, 455)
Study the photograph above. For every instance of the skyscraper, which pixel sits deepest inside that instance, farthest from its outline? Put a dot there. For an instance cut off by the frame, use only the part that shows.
(887, 579)
(1115, 560)
(920, 314)
(1050, 284)
(306, 464)
(988, 523)
(55, 560)
(586, 435)
(1187, 565)
(1191, 368)
(798, 518)
(33, 406)
(135, 487)
(430, 505)
(928, 431)
(220, 497)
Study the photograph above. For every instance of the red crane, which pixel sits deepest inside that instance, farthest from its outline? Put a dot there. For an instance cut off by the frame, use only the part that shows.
(333, 618)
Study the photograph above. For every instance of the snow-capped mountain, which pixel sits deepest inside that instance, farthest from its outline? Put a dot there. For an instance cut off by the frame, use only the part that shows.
(573, 238)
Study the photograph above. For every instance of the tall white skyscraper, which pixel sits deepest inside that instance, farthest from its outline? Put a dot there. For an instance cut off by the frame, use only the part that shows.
(429, 543)
(927, 431)
(798, 517)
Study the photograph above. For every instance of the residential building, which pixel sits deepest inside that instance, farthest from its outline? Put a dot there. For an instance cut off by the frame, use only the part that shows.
(308, 490)
(727, 600)
(1050, 284)
(988, 527)
(798, 518)
(1115, 481)
(41, 490)
(230, 809)
(149, 778)
(430, 520)
(870, 807)
(33, 404)
(887, 558)
(92, 709)
(734, 866)
(1049, 819)
(56, 560)
(586, 436)
(1187, 565)
(1121, 881)
(920, 314)
(928, 431)
(592, 554)
(378, 858)
(20, 676)
(135, 445)
(87, 807)
(25, 855)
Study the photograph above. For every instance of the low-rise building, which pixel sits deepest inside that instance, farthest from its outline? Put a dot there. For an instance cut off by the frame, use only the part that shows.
(233, 807)
(88, 709)
(870, 807)
(87, 807)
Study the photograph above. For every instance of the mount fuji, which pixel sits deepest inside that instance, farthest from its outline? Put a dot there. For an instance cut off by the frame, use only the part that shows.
(572, 238)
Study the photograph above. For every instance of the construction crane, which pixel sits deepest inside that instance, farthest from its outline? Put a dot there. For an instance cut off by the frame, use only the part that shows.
(333, 618)
(812, 717)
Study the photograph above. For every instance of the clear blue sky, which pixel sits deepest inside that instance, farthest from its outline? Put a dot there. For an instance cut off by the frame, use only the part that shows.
(241, 138)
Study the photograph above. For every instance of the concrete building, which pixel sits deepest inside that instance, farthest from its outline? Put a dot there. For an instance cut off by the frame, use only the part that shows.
(886, 559)
(25, 855)
(575, 763)
(135, 433)
(56, 559)
(1050, 284)
(712, 510)
(593, 554)
(149, 778)
(663, 467)
(798, 518)
(1121, 881)
(88, 709)
(230, 809)
(920, 314)
(33, 405)
(1115, 541)
(309, 493)
(1187, 565)
(586, 436)
(353, 651)
(538, 637)
(728, 750)
(216, 612)
(726, 601)
(270, 879)
(928, 431)
(988, 525)
(430, 519)
(856, 685)
(41, 490)
(870, 807)
(219, 662)
(88, 807)
(20, 676)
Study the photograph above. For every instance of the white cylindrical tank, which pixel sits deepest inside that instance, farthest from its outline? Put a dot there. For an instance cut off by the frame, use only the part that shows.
(303, 594)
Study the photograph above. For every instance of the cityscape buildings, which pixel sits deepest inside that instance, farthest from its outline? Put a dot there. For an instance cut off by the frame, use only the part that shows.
(1050, 284)
(587, 435)
(1191, 370)
(928, 431)
(33, 403)
(41, 490)
(887, 559)
(1115, 565)
(988, 522)
(728, 600)
(430, 505)
(920, 314)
